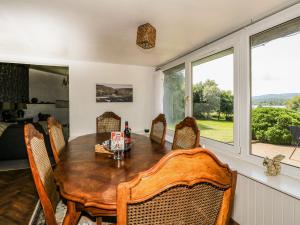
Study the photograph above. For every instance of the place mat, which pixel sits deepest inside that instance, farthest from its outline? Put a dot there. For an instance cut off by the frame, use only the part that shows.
(100, 149)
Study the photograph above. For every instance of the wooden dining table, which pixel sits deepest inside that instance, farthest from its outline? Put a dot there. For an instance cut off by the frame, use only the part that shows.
(89, 180)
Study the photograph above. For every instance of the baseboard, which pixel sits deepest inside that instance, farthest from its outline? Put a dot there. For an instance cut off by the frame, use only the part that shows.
(232, 222)
(20, 164)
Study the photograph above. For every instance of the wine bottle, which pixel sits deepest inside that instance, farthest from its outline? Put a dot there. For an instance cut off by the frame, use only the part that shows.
(127, 133)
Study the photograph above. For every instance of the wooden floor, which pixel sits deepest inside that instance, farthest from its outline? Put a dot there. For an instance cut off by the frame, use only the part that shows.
(17, 197)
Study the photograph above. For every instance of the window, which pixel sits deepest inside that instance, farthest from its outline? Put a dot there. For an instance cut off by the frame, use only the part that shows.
(174, 94)
(213, 96)
(275, 93)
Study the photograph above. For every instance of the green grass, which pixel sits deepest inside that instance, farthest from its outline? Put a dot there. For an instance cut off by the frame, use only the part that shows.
(217, 130)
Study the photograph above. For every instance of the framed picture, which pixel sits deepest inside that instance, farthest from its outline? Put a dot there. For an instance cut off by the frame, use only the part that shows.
(117, 141)
(114, 93)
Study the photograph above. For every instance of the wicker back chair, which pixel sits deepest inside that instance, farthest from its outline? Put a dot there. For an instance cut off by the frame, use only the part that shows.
(186, 134)
(185, 187)
(56, 136)
(108, 122)
(158, 129)
(42, 172)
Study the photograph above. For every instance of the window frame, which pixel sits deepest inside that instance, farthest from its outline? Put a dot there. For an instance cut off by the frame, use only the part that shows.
(240, 41)
(231, 42)
(263, 25)
(208, 142)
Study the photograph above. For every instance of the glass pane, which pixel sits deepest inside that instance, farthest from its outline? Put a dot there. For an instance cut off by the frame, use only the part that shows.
(174, 93)
(275, 111)
(213, 96)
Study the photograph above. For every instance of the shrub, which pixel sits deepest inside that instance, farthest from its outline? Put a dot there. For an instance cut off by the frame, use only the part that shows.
(276, 135)
(271, 125)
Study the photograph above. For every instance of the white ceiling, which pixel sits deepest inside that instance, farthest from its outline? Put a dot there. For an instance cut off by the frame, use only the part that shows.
(105, 30)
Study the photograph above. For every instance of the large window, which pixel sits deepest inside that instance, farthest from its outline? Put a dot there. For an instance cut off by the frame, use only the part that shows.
(174, 95)
(213, 96)
(275, 111)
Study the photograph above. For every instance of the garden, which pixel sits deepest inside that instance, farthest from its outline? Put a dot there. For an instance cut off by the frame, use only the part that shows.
(213, 110)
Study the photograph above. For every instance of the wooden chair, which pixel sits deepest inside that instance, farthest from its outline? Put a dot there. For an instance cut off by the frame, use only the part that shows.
(44, 181)
(186, 135)
(42, 173)
(158, 129)
(56, 136)
(185, 187)
(108, 122)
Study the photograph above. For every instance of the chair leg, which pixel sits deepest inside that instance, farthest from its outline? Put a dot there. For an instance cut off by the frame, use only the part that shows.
(72, 215)
(99, 220)
(296, 146)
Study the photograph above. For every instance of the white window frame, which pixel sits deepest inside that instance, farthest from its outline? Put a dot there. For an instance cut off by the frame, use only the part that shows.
(265, 24)
(219, 46)
(230, 42)
(240, 41)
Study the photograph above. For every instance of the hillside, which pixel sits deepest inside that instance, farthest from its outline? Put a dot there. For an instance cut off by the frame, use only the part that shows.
(273, 99)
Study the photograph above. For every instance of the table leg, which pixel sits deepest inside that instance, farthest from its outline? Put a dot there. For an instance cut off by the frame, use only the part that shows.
(72, 215)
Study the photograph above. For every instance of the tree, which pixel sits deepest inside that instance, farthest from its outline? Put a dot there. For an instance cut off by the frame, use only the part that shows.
(226, 104)
(294, 103)
(206, 98)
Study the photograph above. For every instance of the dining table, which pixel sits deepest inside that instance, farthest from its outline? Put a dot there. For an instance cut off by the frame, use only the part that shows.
(88, 180)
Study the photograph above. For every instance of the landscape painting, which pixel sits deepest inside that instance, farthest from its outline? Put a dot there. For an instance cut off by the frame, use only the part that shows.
(114, 93)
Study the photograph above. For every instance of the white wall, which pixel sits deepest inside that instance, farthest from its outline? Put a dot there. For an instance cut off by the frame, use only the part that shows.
(83, 107)
(47, 87)
(258, 204)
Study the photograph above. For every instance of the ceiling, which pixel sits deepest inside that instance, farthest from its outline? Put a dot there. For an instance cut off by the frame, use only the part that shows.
(105, 30)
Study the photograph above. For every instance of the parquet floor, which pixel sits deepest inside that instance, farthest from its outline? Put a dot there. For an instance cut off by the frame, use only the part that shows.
(17, 197)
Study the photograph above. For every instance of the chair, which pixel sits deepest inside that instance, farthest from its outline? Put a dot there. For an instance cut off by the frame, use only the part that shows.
(185, 187)
(158, 129)
(108, 122)
(186, 134)
(42, 173)
(56, 136)
(295, 132)
(44, 181)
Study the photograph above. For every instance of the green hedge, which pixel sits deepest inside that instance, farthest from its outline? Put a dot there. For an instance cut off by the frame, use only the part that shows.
(270, 125)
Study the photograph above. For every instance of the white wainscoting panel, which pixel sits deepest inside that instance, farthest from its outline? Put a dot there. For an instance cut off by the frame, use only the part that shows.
(258, 204)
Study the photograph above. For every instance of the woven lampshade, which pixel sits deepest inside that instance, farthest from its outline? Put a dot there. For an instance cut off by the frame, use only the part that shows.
(146, 35)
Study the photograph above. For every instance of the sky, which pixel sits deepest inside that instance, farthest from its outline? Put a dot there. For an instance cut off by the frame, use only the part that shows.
(220, 70)
(275, 68)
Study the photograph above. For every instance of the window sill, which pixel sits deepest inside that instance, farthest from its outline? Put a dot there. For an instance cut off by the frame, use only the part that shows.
(282, 183)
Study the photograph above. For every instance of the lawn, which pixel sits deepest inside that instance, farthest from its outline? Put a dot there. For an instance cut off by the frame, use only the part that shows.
(217, 130)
